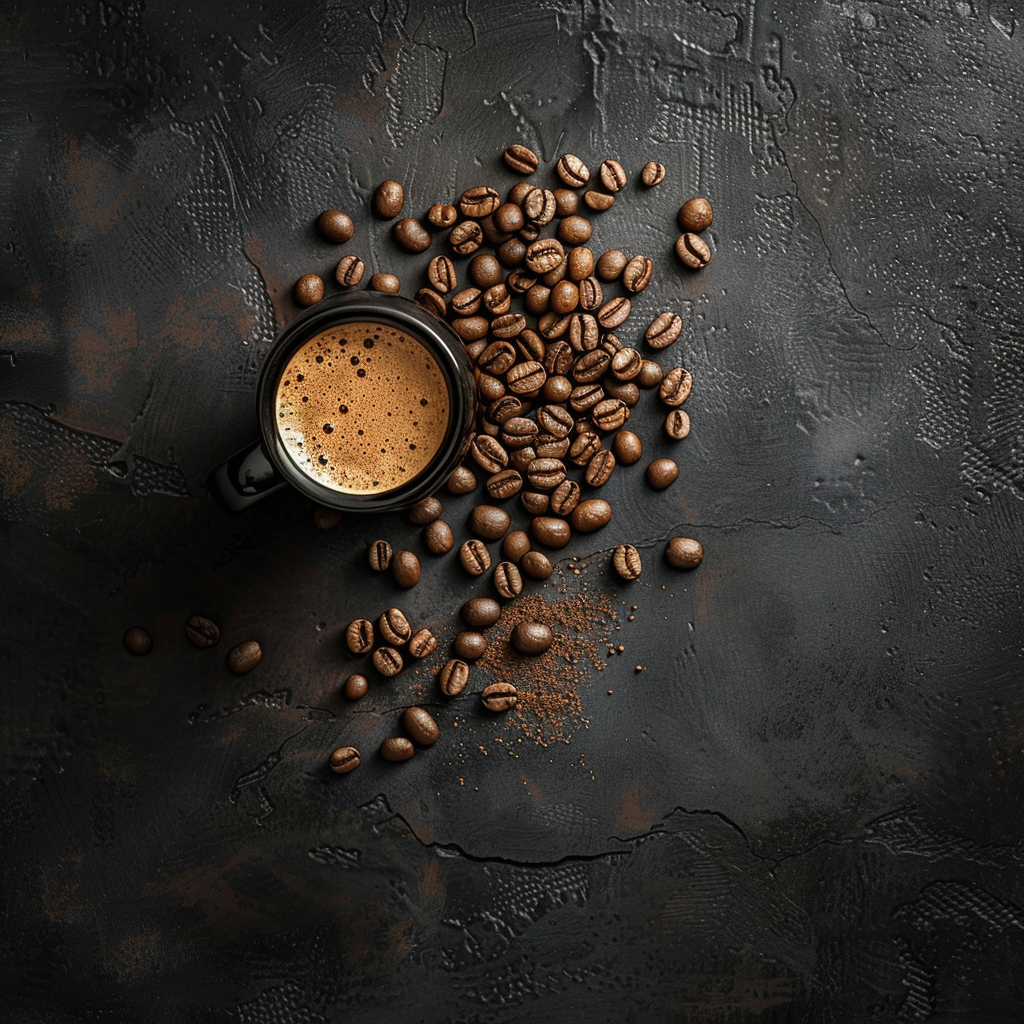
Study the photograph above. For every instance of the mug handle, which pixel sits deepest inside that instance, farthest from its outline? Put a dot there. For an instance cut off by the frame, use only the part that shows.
(244, 479)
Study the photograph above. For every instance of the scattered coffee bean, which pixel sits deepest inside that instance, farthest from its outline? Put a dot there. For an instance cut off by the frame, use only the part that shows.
(584, 448)
(537, 565)
(387, 661)
(359, 636)
(489, 388)
(335, 226)
(394, 627)
(244, 657)
(426, 510)
(591, 293)
(137, 641)
(202, 631)
(475, 557)
(626, 364)
(499, 697)
(505, 484)
(545, 474)
(610, 264)
(550, 531)
(565, 297)
(461, 481)
(489, 522)
(598, 201)
(693, 251)
(591, 366)
(532, 637)
(567, 202)
(515, 545)
(591, 514)
(453, 677)
(441, 274)
(479, 201)
(469, 645)
(521, 159)
(507, 580)
(626, 560)
(696, 215)
(356, 686)
(565, 497)
(344, 759)
(661, 473)
(438, 537)
(612, 175)
(405, 567)
(466, 238)
(385, 283)
(614, 312)
(544, 255)
(684, 553)
(675, 386)
(442, 215)
(575, 230)
(422, 643)
(637, 273)
(663, 329)
(309, 289)
(410, 234)
(625, 391)
(488, 454)
(397, 748)
(349, 271)
(572, 170)
(650, 374)
(609, 414)
(480, 612)
(539, 206)
(599, 468)
(677, 424)
(420, 725)
(433, 301)
(653, 173)
(380, 555)
(388, 199)
(628, 447)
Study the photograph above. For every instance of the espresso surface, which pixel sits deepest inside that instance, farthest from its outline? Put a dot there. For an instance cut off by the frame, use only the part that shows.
(362, 407)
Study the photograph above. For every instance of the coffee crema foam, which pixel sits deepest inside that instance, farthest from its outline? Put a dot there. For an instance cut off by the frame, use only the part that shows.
(362, 407)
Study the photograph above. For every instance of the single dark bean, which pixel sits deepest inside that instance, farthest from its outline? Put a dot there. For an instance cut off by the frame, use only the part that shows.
(600, 468)
(565, 497)
(137, 641)
(356, 686)
(526, 378)
(567, 202)
(388, 199)
(544, 255)
(661, 473)
(609, 414)
(551, 532)
(202, 631)
(434, 301)
(612, 175)
(636, 275)
(466, 238)
(488, 454)
(677, 424)
(684, 553)
(584, 448)
(610, 264)
(598, 201)
(469, 645)
(426, 510)
(335, 226)
(535, 502)
(380, 555)
(515, 545)
(532, 637)
(572, 170)
(422, 643)
(410, 234)
(507, 580)
(675, 386)
(653, 173)
(663, 329)
(591, 366)
(696, 215)
(521, 158)
(308, 290)
(245, 657)
(442, 215)
(626, 560)
(480, 612)
(359, 636)
(537, 565)
(650, 374)
(438, 537)
(453, 677)
(462, 480)
(394, 627)
(349, 271)
(499, 697)
(441, 274)
(505, 484)
(475, 557)
(614, 312)
(385, 283)
(590, 515)
(405, 567)
(575, 230)
(693, 251)
(397, 748)
(420, 725)
(344, 759)
(489, 522)
(628, 447)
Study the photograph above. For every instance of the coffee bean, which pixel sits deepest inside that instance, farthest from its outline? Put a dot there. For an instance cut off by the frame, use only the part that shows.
(611, 343)
(565, 297)
(349, 271)
(612, 175)
(626, 560)
(426, 510)
(479, 201)
(475, 557)
(591, 366)
(598, 201)
(505, 484)
(488, 454)
(539, 206)
(420, 725)
(441, 274)
(636, 275)
(532, 637)
(584, 448)
(489, 388)
(555, 420)
(438, 537)
(410, 234)
(552, 326)
(385, 283)
(663, 329)
(567, 202)
(693, 251)
(515, 545)
(626, 364)
(661, 473)
(462, 480)
(565, 497)
(650, 374)
(493, 235)
(344, 759)
(496, 301)
(480, 612)
(653, 173)
(397, 748)
(614, 312)
(388, 199)
(610, 264)
(696, 215)
(244, 657)
(545, 474)
(359, 636)
(380, 555)
(677, 424)
(531, 346)
(537, 565)
(405, 567)
(558, 358)
(308, 290)
(137, 641)
(584, 332)
(466, 238)
(442, 215)
(432, 301)
(544, 255)
(609, 414)
(538, 300)
(394, 627)
(471, 328)
(547, 446)
(684, 553)
(572, 170)
(508, 325)
(508, 218)
(507, 580)
(520, 281)
(202, 631)
(625, 391)
(356, 686)
(575, 230)
(551, 532)
(466, 302)
(526, 378)
(489, 522)
(327, 518)
(422, 643)
(599, 468)
(552, 277)
(591, 514)
(675, 386)
(499, 696)
(469, 645)
(535, 502)
(453, 677)
(521, 159)
(335, 226)
(513, 252)
(497, 358)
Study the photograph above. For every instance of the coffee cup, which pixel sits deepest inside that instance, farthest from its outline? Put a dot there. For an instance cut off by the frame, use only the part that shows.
(365, 403)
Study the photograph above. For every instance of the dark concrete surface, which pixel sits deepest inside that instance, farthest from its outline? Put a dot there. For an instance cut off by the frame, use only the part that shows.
(808, 807)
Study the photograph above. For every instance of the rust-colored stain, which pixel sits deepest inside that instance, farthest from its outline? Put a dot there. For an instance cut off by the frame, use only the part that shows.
(751, 989)
(72, 477)
(194, 324)
(634, 814)
(431, 883)
(15, 471)
(102, 351)
(99, 190)
(279, 290)
(133, 955)
(59, 890)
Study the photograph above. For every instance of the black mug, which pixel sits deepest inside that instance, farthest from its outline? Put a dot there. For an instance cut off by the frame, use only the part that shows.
(366, 403)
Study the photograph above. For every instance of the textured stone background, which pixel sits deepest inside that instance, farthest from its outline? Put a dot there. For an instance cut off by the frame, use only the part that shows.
(807, 808)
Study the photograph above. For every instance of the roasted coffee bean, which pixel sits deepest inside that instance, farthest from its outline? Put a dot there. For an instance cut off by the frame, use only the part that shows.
(626, 364)
(466, 238)
(653, 173)
(388, 199)
(422, 643)
(584, 448)
(567, 202)
(420, 725)
(599, 468)
(551, 532)
(614, 312)
(609, 414)
(405, 567)
(518, 432)
(517, 193)
(508, 326)
(677, 424)
(438, 537)
(397, 748)
(545, 474)
(628, 447)
(650, 374)
(663, 329)
(349, 271)
(441, 274)
(555, 420)
(661, 473)
(598, 201)
(385, 283)
(471, 328)
(610, 264)
(506, 408)
(636, 275)
(327, 518)
(507, 580)
(453, 677)
(335, 226)
(433, 301)
(308, 290)
(489, 388)
(426, 510)
(565, 497)
(547, 446)
(356, 686)
(552, 326)
(380, 555)
(684, 553)
(532, 637)
(626, 560)
(394, 627)
(498, 357)
(575, 230)
(462, 480)
(520, 458)
(611, 343)
(480, 612)
(528, 233)
(531, 346)
(485, 271)
(520, 281)
(584, 332)
(675, 386)
(467, 302)
(479, 201)
(493, 235)
(553, 277)
(544, 255)
(469, 645)
(565, 297)
(202, 631)
(559, 358)
(508, 218)
(537, 565)
(499, 697)
(696, 215)
(591, 366)
(625, 391)
(489, 522)
(572, 170)
(537, 300)
(612, 175)
(488, 454)
(442, 215)
(497, 301)
(505, 484)
(526, 378)
(488, 427)
(539, 206)
(244, 657)
(693, 251)
(580, 262)
(344, 759)
(475, 557)
(359, 636)
(521, 159)
(591, 293)
(590, 515)
(535, 502)
(137, 641)
(515, 545)
(410, 234)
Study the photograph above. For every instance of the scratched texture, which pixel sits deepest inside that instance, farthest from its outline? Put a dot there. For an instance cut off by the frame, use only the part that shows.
(809, 805)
